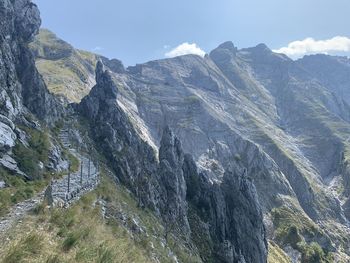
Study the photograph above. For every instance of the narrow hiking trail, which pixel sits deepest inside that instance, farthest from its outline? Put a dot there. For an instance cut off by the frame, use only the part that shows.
(62, 192)
(18, 211)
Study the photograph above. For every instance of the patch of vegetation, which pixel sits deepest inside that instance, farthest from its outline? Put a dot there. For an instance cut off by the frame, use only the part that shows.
(28, 246)
(201, 240)
(67, 72)
(17, 190)
(53, 259)
(81, 234)
(77, 234)
(313, 253)
(73, 238)
(276, 254)
(74, 162)
(28, 158)
(47, 45)
(291, 225)
(293, 236)
(57, 128)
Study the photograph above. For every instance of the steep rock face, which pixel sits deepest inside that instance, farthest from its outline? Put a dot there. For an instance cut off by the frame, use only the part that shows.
(22, 90)
(19, 77)
(213, 123)
(226, 211)
(173, 184)
(334, 73)
(171, 178)
(113, 131)
(331, 71)
(251, 109)
(234, 65)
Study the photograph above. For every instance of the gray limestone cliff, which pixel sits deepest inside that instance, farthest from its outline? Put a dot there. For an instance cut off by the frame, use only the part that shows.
(187, 201)
(23, 95)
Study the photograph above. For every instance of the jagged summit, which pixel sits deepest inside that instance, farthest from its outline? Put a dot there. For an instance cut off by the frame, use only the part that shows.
(115, 65)
(262, 47)
(229, 46)
(99, 72)
(105, 84)
(26, 19)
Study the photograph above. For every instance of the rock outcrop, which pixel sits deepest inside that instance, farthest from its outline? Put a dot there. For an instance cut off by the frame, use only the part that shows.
(23, 86)
(170, 183)
(252, 110)
(23, 92)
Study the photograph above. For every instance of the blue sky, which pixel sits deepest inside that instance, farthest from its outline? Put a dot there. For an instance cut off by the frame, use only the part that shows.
(136, 31)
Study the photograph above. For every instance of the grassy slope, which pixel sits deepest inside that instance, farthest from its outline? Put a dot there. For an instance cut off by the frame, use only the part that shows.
(277, 255)
(80, 234)
(66, 71)
(292, 225)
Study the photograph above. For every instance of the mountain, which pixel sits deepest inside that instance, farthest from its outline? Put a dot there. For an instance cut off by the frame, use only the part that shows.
(79, 183)
(260, 112)
(166, 185)
(268, 115)
(240, 156)
(68, 72)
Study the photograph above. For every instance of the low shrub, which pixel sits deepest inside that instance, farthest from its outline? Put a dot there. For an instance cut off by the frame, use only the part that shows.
(313, 253)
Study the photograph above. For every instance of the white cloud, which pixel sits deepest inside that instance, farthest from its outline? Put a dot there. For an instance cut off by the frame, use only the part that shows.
(185, 49)
(310, 45)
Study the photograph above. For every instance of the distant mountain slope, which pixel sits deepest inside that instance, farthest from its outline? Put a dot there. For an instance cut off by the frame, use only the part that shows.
(264, 112)
(68, 72)
(283, 123)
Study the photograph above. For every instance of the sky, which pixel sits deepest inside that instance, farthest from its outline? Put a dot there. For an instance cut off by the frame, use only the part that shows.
(136, 31)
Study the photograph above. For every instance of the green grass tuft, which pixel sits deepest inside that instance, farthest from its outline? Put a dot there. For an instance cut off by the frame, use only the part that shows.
(28, 246)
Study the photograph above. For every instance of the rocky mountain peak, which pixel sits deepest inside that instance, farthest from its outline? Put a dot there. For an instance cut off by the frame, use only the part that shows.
(260, 51)
(229, 46)
(107, 90)
(100, 69)
(262, 48)
(224, 52)
(115, 65)
(27, 21)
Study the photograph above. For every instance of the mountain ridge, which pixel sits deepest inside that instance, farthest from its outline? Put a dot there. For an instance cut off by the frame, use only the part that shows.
(238, 152)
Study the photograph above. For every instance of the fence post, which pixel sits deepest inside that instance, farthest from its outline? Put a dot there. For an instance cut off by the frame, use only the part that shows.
(69, 178)
(89, 168)
(81, 172)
